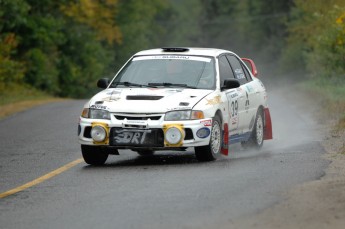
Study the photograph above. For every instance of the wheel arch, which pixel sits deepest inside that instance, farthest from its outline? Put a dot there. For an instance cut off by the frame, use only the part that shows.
(267, 123)
(219, 114)
(261, 109)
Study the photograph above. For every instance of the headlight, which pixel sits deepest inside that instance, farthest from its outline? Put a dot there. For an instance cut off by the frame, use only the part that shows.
(183, 115)
(177, 115)
(99, 114)
(95, 114)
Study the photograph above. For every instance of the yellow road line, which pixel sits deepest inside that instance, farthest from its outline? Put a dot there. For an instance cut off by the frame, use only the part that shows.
(41, 179)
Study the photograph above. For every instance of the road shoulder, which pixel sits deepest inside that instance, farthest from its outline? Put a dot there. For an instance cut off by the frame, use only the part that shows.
(313, 205)
(13, 108)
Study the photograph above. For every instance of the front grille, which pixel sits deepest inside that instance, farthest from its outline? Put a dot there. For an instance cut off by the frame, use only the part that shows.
(139, 117)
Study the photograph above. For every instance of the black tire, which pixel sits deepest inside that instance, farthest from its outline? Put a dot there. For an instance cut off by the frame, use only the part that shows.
(93, 155)
(145, 152)
(211, 151)
(256, 139)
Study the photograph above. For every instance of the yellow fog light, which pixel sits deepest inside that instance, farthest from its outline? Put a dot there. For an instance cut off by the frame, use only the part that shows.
(173, 135)
(99, 133)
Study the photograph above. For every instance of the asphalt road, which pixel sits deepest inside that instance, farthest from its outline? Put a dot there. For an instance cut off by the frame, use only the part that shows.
(167, 190)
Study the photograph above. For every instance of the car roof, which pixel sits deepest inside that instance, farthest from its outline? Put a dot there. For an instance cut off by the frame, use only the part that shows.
(184, 51)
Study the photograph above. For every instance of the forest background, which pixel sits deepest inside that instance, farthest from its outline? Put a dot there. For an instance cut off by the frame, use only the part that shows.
(61, 48)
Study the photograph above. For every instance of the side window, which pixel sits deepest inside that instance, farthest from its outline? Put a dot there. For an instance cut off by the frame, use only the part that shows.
(225, 70)
(246, 72)
(238, 70)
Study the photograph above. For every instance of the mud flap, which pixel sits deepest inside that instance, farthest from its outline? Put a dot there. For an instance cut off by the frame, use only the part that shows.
(268, 125)
(225, 142)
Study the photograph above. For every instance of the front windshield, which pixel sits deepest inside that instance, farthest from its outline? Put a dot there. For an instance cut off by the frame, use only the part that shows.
(168, 71)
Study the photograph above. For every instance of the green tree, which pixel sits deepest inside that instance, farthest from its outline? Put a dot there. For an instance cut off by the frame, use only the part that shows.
(316, 37)
(11, 15)
(138, 24)
(99, 15)
(11, 71)
(61, 47)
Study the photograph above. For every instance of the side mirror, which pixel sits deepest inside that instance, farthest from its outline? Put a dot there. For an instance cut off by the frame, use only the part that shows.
(231, 83)
(103, 83)
(252, 66)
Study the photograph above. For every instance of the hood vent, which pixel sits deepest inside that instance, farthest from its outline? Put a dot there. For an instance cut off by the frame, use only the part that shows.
(184, 104)
(144, 97)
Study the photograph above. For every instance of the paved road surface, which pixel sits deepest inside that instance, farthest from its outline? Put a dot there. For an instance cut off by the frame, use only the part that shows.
(168, 190)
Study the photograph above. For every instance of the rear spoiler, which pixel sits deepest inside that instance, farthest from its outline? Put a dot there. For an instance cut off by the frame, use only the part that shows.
(252, 66)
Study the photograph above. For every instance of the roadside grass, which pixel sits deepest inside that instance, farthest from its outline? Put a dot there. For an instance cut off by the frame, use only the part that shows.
(331, 95)
(16, 98)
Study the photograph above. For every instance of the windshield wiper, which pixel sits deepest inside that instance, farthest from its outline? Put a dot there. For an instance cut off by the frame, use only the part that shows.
(171, 85)
(129, 84)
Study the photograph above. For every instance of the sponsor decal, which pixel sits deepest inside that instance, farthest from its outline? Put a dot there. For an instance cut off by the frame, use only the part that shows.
(102, 107)
(126, 137)
(249, 88)
(214, 101)
(240, 76)
(169, 57)
(173, 90)
(111, 99)
(239, 73)
(234, 95)
(113, 95)
(246, 106)
(136, 122)
(206, 122)
(203, 132)
(114, 92)
(179, 108)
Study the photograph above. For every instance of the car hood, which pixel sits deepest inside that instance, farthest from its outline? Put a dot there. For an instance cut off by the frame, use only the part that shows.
(143, 100)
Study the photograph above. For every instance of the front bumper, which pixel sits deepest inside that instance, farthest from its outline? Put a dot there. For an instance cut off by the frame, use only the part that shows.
(149, 134)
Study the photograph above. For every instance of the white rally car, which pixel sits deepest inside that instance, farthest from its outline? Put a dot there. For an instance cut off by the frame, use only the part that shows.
(175, 98)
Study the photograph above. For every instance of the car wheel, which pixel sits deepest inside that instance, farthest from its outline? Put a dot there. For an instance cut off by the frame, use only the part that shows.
(211, 151)
(93, 155)
(257, 137)
(145, 152)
